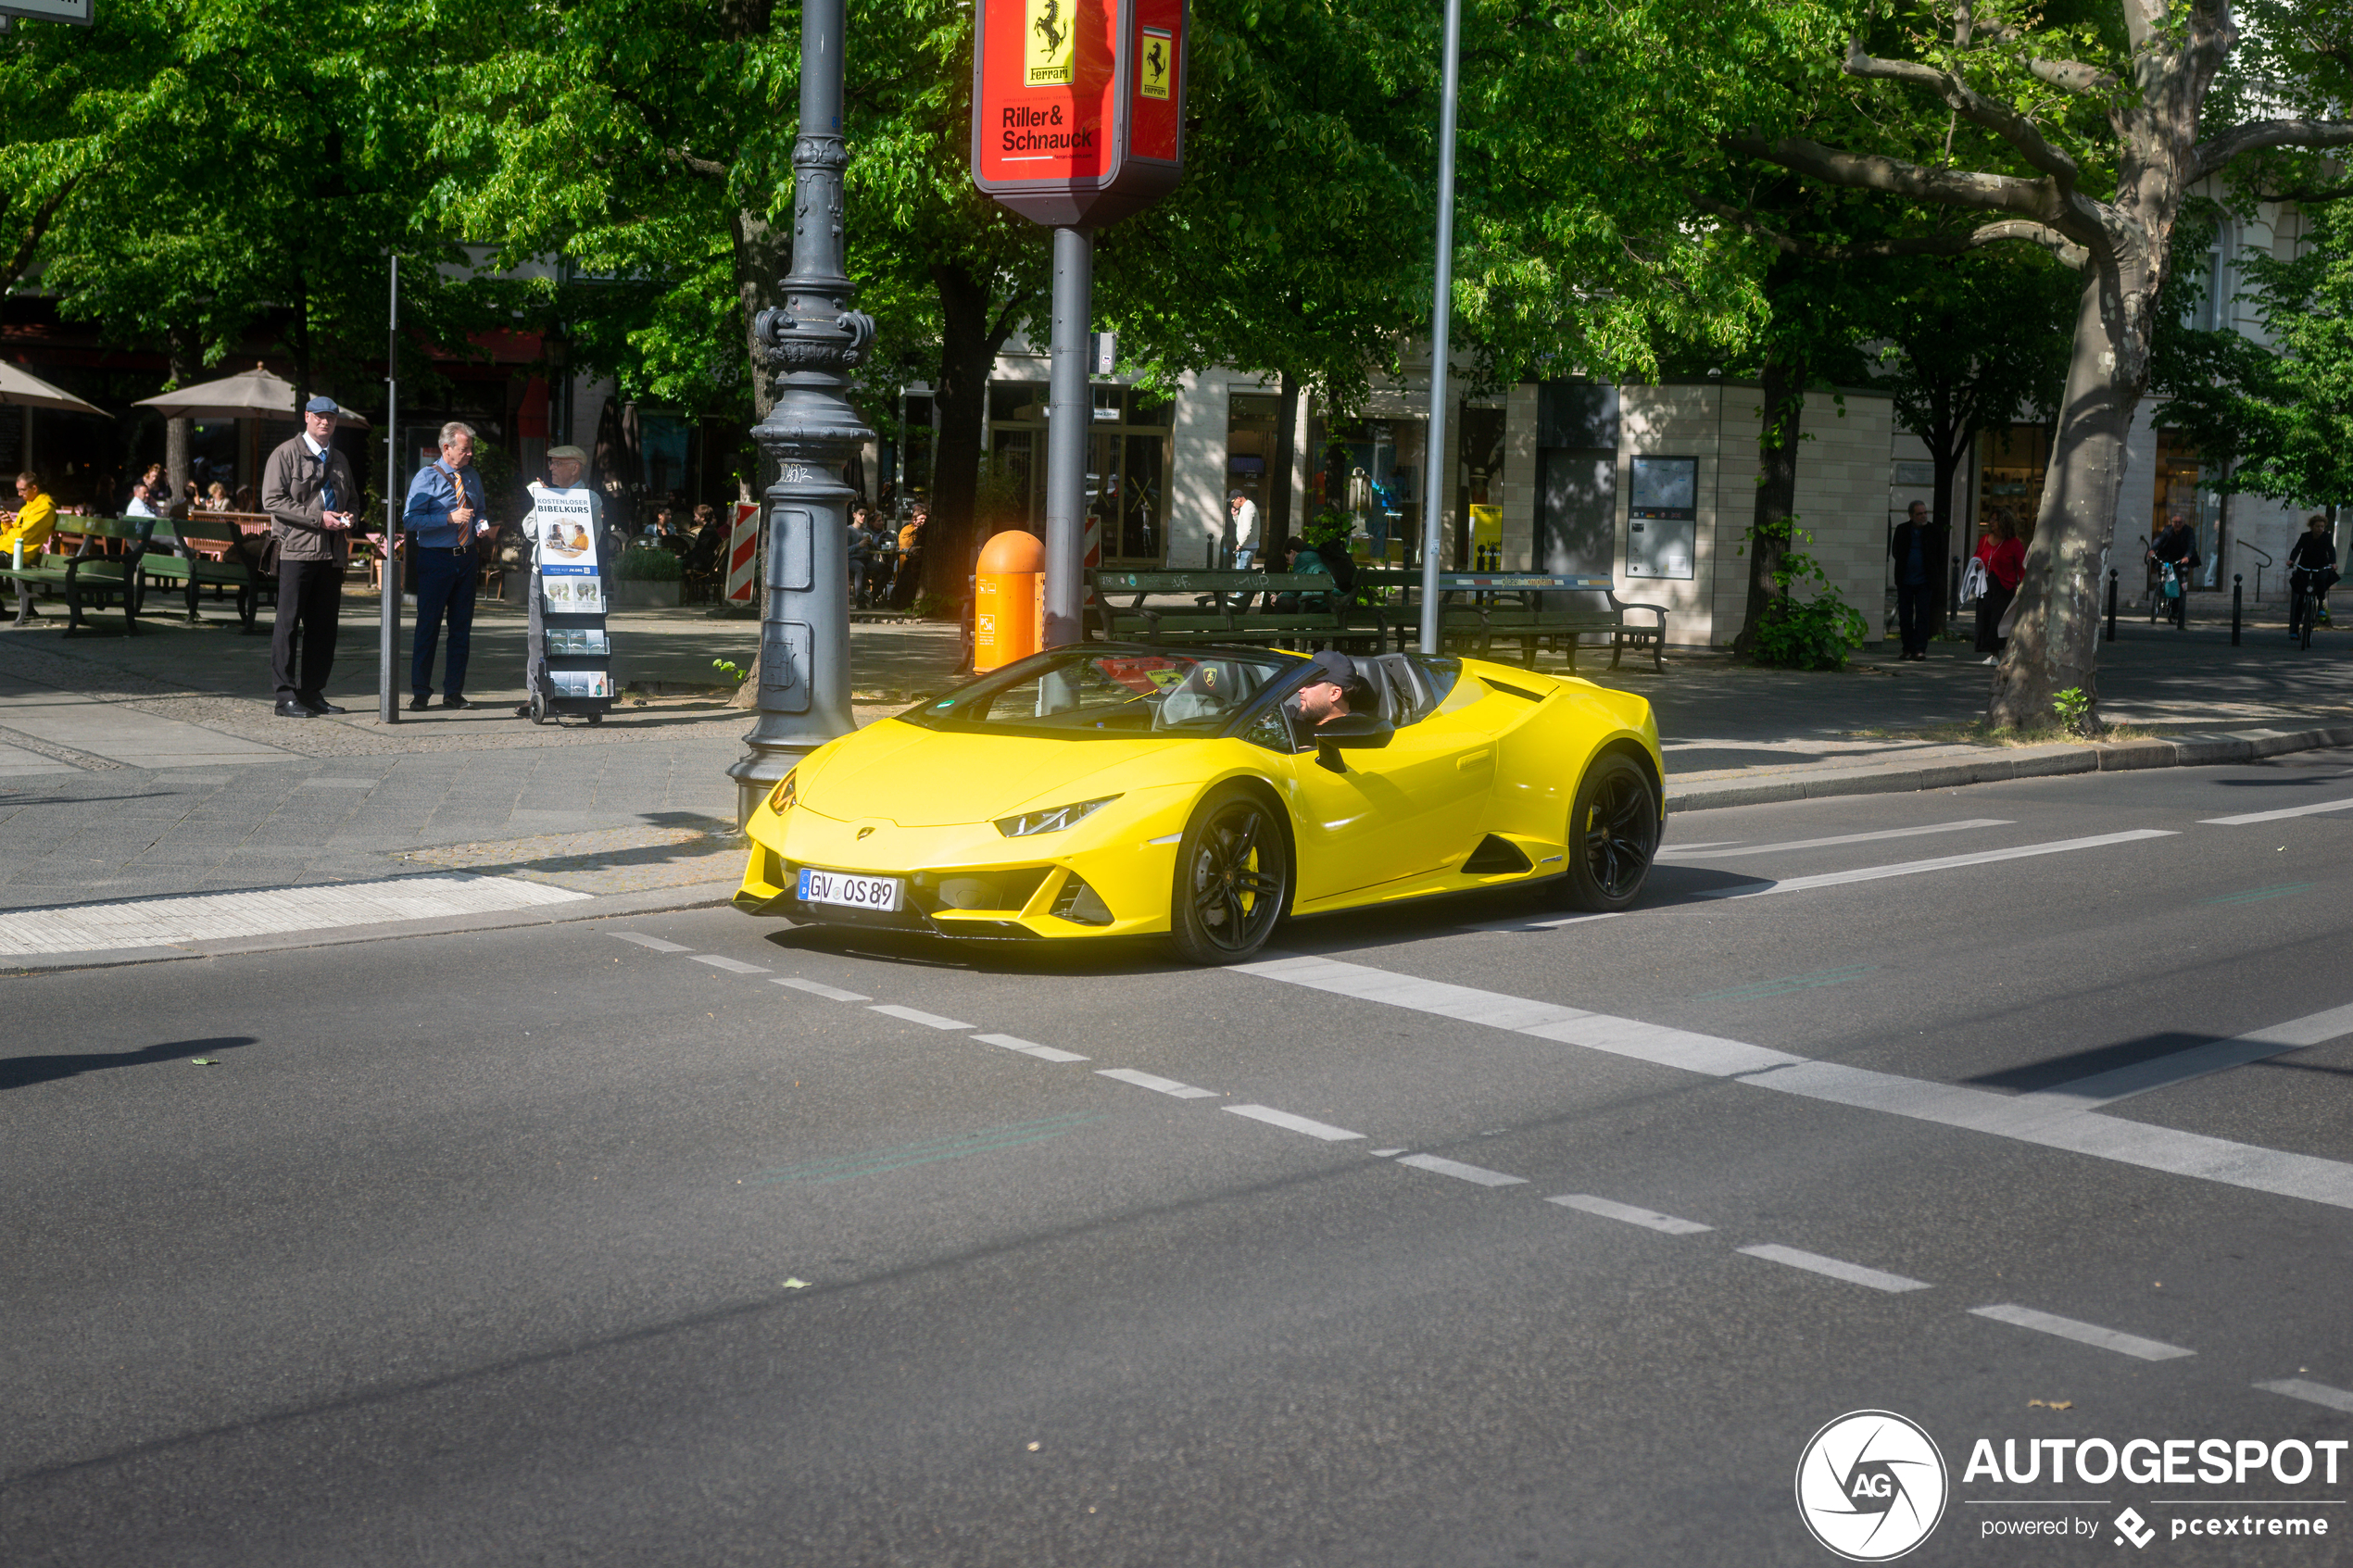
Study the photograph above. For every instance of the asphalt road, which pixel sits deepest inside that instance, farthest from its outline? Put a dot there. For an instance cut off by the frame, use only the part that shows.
(695, 1239)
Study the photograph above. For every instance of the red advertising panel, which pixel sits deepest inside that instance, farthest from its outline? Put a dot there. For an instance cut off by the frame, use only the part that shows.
(1077, 106)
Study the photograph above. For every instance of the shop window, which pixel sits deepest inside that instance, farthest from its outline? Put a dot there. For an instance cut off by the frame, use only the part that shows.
(2011, 463)
(2177, 493)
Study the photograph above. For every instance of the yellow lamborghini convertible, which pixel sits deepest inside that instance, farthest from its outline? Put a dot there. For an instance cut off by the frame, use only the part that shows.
(1119, 790)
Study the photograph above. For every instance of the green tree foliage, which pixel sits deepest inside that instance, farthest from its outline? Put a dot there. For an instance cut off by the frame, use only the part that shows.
(2288, 412)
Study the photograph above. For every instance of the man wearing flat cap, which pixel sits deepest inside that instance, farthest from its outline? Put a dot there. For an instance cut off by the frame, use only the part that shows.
(308, 489)
(445, 518)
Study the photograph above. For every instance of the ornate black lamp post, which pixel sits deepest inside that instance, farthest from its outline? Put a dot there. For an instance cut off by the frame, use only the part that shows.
(810, 345)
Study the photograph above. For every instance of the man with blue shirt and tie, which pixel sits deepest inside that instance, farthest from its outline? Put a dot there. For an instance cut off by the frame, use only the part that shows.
(308, 489)
(444, 516)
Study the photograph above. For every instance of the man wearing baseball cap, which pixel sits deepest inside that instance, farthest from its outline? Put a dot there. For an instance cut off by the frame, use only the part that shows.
(308, 489)
(1335, 685)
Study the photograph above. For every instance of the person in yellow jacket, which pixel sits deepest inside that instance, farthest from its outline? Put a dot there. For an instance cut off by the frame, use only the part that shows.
(27, 529)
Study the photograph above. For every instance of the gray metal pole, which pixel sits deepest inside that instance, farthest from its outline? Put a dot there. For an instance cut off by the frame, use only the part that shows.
(808, 347)
(1437, 477)
(388, 615)
(1069, 425)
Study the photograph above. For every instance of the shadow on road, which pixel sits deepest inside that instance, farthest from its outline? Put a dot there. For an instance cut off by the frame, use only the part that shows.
(20, 1072)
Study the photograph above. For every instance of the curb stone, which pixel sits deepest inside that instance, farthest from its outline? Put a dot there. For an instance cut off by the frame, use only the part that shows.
(2026, 762)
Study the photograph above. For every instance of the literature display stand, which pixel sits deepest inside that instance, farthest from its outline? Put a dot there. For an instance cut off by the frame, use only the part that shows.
(570, 654)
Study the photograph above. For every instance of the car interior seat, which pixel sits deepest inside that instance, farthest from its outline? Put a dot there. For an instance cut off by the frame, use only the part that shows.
(1203, 693)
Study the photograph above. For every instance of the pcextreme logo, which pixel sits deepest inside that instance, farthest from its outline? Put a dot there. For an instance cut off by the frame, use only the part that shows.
(1872, 1486)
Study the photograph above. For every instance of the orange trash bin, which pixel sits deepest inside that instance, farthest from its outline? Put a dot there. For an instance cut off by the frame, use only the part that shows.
(1008, 587)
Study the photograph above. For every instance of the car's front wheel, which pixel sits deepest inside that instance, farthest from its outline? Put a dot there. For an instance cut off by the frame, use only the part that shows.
(1233, 879)
(1613, 836)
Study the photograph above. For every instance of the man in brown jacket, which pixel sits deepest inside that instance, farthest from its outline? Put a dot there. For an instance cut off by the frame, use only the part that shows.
(308, 489)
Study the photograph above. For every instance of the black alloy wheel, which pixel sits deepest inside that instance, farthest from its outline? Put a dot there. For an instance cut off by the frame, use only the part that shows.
(1233, 879)
(1613, 836)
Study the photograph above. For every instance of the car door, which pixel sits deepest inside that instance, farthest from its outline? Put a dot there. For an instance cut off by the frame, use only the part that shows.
(1403, 809)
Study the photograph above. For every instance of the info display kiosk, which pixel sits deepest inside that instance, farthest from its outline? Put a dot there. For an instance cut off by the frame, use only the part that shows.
(571, 652)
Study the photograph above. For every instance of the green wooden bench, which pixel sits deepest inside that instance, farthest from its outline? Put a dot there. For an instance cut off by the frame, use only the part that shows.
(88, 575)
(197, 571)
(1531, 609)
(1322, 614)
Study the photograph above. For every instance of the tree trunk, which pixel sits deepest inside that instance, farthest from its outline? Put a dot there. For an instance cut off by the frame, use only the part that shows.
(966, 356)
(763, 255)
(1947, 456)
(2055, 645)
(1768, 534)
(185, 358)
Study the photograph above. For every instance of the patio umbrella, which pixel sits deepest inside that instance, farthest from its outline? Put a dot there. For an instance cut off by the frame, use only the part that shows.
(28, 391)
(255, 393)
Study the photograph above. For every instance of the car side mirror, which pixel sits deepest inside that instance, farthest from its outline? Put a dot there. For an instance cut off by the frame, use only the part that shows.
(1351, 732)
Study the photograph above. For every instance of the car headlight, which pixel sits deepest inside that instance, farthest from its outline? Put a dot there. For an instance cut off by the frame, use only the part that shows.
(1053, 820)
(780, 799)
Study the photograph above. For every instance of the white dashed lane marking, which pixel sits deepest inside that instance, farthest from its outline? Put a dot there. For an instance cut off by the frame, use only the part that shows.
(1284, 1119)
(1461, 1171)
(2283, 812)
(2083, 1333)
(831, 993)
(1029, 1048)
(733, 966)
(916, 1016)
(1713, 851)
(1814, 1262)
(1944, 863)
(2310, 1393)
(1646, 1218)
(1158, 1085)
(2026, 1117)
(656, 943)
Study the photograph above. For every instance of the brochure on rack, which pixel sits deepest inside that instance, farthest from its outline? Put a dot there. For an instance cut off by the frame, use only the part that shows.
(564, 531)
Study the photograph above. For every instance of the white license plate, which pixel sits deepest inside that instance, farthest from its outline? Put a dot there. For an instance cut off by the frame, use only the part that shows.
(851, 892)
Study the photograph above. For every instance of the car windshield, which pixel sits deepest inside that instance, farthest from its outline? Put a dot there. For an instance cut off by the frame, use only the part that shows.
(1078, 694)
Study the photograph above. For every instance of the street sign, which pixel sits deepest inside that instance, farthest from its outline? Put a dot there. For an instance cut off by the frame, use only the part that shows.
(74, 11)
(1078, 106)
(743, 545)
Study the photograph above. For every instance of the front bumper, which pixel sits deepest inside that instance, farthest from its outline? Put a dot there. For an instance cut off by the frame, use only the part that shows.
(971, 881)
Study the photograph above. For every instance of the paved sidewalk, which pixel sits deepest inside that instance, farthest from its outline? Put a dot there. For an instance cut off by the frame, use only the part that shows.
(153, 766)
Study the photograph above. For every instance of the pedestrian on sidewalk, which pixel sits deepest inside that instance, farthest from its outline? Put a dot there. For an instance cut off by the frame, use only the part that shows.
(565, 465)
(2004, 557)
(1245, 515)
(1910, 549)
(29, 528)
(306, 486)
(444, 514)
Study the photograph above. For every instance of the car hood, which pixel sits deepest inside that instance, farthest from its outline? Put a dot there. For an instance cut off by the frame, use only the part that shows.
(915, 777)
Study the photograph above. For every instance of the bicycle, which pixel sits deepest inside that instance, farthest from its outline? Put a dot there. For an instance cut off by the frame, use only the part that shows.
(2307, 603)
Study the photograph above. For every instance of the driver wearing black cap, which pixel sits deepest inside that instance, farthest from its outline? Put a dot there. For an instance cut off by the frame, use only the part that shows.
(1334, 684)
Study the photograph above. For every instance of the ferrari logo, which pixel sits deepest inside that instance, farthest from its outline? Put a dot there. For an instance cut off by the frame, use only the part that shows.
(1159, 62)
(1050, 47)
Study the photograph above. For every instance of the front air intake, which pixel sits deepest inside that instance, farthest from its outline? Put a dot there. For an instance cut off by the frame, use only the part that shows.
(1080, 904)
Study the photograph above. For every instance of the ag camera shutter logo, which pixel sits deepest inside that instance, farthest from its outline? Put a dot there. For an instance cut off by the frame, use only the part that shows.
(1872, 1486)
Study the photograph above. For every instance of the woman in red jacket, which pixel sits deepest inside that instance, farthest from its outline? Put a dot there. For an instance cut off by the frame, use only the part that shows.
(2005, 557)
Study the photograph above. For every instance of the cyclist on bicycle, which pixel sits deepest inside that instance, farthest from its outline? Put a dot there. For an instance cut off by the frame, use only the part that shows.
(2175, 552)
(2311, 572)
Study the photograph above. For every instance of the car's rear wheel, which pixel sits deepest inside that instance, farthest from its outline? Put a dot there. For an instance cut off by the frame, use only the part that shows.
(1233, 879)
(1613, 836)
